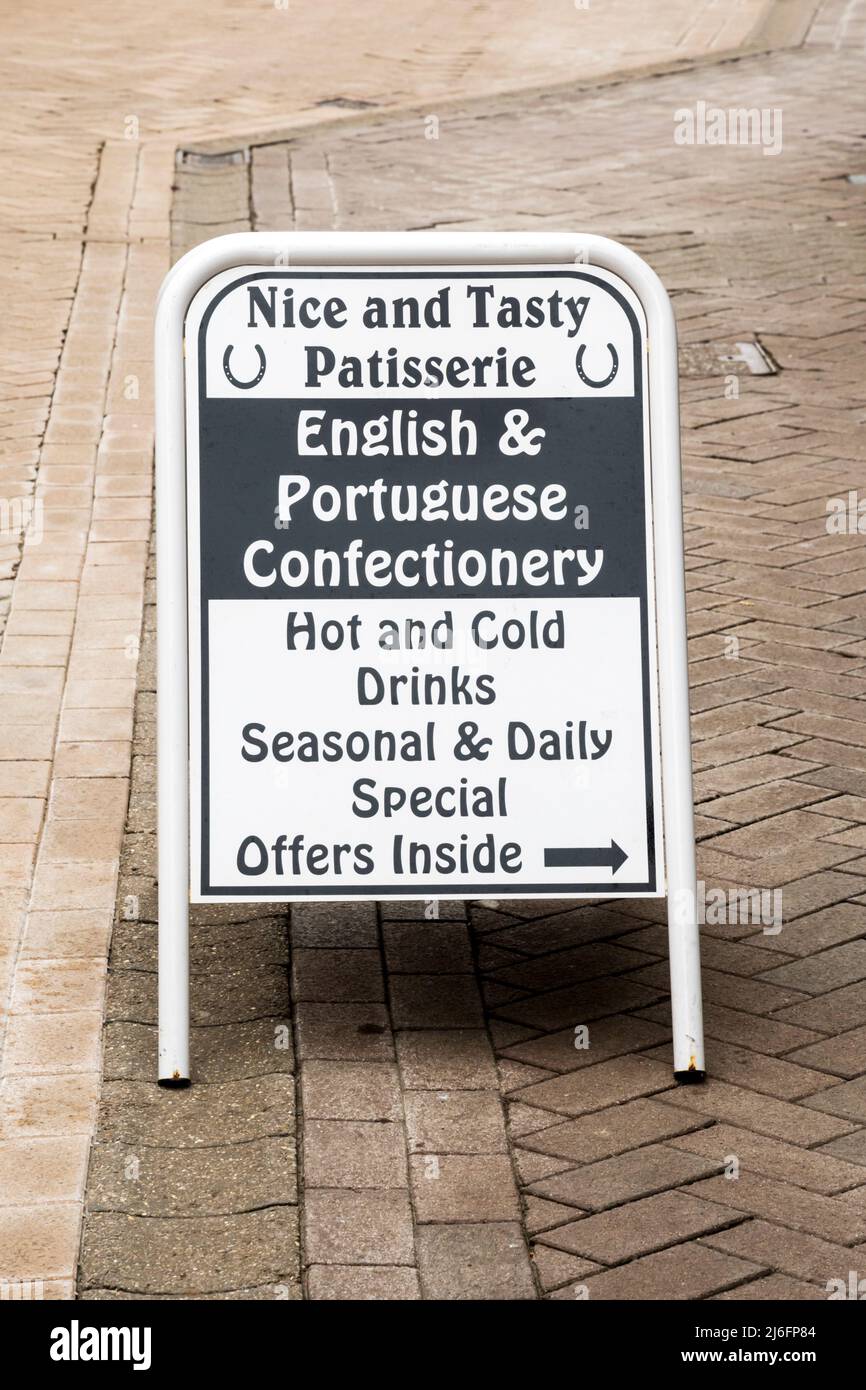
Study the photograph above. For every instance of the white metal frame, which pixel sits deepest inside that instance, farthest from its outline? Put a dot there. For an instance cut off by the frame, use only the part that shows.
(325, 249)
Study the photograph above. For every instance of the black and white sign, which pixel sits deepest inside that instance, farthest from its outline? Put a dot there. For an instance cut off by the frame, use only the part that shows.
(421, 598)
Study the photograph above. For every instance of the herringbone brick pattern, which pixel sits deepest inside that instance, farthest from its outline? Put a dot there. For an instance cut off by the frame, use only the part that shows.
(486, 1101)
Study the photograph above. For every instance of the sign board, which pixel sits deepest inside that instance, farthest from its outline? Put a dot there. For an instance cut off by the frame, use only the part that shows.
(420, 588)
(422, 632)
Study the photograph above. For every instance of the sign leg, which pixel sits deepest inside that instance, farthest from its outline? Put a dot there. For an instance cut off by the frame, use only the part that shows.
(685, 965)
(173, 815)
(172, 724)
(173, 983)
(683, 929)
(679, 818)
(684, 947)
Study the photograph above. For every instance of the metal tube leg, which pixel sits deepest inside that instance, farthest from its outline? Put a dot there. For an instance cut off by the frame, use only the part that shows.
(683, 935)
(173, 868)
(173, 982)
(173, 812)
(686, 1005)
(172, 705)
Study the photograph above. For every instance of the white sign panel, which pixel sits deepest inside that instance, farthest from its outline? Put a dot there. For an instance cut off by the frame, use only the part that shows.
(421, 599)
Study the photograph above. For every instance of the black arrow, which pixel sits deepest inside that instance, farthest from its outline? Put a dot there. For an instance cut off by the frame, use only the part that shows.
(576, 858)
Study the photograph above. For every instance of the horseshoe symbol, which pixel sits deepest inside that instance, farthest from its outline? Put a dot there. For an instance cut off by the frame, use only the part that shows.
(614, 358)
(244, 385)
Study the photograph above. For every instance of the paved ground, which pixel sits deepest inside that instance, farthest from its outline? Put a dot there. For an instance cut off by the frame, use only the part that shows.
(95, 108)
(452, 1141)
(605, 1173)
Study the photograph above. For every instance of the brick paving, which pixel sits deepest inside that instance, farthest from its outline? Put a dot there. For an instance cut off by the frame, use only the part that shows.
(93, 115)
(441, 1135)
(453, 1141)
